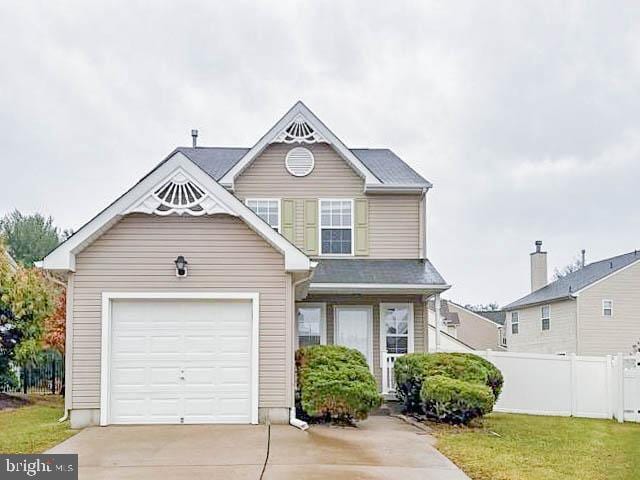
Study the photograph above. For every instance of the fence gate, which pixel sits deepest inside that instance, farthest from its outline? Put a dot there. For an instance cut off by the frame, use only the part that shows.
(632, 388)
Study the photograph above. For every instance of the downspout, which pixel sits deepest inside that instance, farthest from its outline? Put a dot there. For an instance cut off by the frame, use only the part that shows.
(293, 421)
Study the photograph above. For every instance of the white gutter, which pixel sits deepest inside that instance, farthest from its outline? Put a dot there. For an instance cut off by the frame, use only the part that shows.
(293, 421)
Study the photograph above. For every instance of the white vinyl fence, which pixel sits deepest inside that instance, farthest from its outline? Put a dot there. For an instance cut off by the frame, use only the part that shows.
(580, 386)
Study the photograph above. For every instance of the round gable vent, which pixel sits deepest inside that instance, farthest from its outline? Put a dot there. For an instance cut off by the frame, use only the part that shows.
(299, 161)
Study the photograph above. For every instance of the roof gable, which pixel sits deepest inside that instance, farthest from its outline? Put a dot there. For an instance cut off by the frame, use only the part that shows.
(575, 282)
(176, 186)
(299, 125)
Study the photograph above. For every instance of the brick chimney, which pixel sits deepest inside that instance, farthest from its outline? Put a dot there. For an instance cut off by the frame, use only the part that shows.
(538, 267)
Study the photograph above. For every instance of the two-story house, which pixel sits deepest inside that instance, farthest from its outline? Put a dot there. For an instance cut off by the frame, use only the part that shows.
(188, 295)
(594, 310)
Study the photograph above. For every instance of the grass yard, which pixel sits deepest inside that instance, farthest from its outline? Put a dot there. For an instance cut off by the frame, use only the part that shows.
(34, 427)
(530, 447)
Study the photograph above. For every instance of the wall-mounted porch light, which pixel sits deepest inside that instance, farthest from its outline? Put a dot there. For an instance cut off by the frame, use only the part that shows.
(181, 266)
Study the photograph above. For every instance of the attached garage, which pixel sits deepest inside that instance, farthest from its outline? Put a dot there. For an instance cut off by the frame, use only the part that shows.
(179, 358)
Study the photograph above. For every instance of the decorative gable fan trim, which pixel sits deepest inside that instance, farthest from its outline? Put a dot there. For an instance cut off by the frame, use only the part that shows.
(179, 195)
(299, 131)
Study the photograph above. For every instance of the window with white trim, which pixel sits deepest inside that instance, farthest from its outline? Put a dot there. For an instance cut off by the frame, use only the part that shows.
(336, 227)
(267, 209)
(515, 323)
(607, 308)
(396, 328)
(545, 313)
(311, 325)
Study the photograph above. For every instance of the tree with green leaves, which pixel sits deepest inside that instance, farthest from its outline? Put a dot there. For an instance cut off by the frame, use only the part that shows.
(27, 299)
(28, 238)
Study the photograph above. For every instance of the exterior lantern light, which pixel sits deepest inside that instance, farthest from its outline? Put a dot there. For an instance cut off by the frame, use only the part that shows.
(181, 266)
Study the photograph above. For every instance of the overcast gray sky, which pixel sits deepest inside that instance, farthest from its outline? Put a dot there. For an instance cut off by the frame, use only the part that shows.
(524, 115)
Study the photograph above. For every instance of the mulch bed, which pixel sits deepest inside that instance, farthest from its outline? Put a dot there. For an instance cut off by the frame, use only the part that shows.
(12, 401)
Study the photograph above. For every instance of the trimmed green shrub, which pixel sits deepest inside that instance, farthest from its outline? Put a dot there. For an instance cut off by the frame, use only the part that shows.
(455, 401)
(334, 383)
(412, 370)
(495, 380)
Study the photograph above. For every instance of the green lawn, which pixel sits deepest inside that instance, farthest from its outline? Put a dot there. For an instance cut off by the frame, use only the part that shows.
(524, 447)
(33, 428)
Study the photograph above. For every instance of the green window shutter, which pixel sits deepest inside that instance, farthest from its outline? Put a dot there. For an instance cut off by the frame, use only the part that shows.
(311, 226)
(361, 224)
(287, 220)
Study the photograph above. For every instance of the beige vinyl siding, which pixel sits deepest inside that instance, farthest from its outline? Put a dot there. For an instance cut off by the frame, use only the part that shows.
(394, 226)
(267, 176)
(474, 330)
(394, 220)
(333, 301)
(561, 336)
(137, 255)
(598, 335)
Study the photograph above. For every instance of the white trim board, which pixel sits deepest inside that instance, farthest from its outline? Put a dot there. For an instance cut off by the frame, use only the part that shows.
(105, 350)
(228, 180)
(63, 257)
(376, 288)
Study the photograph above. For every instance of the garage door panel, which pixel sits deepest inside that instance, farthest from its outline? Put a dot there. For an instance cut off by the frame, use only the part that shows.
(179, 361)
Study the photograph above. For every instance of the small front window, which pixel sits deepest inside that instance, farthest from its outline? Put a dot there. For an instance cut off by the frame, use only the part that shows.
(267, 209)
(395, 327)
(310, 325)
(607, 308)
(336, 227)
(546, 317)
(515, 323)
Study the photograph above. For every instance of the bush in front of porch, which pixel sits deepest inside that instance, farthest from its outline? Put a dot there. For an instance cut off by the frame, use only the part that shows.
(449, 387)
(335, 384)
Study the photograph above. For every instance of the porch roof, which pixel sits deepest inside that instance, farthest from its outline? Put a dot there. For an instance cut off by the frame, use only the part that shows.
(359, 275)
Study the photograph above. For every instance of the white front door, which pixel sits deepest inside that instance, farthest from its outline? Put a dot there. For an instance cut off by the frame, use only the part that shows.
(354, 329)
(180, 361)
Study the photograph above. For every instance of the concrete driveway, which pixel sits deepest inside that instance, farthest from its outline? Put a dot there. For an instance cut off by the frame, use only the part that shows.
(381, 447)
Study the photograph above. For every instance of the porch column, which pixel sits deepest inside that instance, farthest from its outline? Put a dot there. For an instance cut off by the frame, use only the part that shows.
(436, 305)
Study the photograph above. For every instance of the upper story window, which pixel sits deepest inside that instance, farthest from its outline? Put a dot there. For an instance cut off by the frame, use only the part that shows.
(546, 317)
(607, 308)
(267, 209)
(515, 323)
(336, 227)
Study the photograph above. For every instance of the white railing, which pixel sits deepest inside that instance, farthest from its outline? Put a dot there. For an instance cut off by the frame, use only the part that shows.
(571, 385)
(387, 361)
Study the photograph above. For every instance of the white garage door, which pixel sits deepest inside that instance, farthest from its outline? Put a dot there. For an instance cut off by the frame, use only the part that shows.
(180, 361)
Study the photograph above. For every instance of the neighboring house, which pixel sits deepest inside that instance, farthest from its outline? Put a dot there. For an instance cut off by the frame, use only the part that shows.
(189, 294)
(477, 330)
(592, 311)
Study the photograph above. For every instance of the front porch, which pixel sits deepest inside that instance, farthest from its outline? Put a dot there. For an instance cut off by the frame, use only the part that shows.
(376, 306)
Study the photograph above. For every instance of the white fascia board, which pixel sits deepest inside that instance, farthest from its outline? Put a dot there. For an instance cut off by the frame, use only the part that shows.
(375, 288)
(406, 189)
(63, 257)
(578, 292)
(299, 109)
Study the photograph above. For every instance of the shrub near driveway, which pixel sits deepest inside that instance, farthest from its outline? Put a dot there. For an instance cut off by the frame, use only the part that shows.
(334, 383)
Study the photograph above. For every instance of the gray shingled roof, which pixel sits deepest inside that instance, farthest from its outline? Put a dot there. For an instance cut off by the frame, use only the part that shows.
(410, 272)
(496, 316)
(566, 286)
(216, 161)
(382, 162)
(388, 167)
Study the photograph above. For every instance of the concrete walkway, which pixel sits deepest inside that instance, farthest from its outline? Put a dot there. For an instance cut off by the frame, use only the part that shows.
(380, 448)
